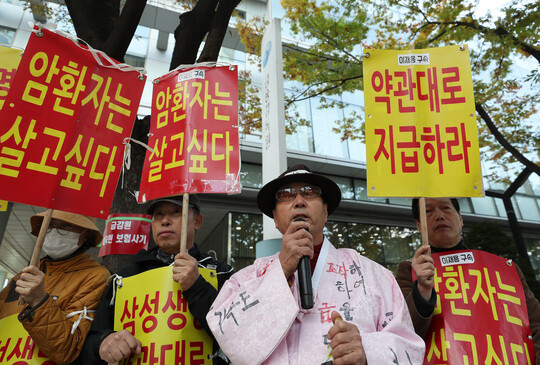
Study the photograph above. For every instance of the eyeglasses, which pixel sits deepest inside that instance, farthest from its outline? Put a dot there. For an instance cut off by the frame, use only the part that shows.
(62, 229)
(307, 192)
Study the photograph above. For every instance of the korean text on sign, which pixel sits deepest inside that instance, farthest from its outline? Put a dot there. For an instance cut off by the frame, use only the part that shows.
(9, 60)
(158, 316)
(478, 285)
(421, 133)
(194, 134)
(64, 121)
(16, 345)
(125, 234)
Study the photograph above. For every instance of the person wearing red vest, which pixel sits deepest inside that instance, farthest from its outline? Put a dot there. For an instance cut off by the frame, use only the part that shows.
(444, 226)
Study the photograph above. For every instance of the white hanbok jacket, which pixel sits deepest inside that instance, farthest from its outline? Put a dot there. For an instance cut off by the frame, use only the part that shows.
(257, 317)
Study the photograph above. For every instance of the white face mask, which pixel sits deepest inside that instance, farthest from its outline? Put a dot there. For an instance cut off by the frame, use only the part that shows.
(57, 246)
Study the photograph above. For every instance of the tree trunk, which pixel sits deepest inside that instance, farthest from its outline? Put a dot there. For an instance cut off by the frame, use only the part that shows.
(94, 20)
(217, 33)
(193, 27)
(124, 198)
(101, 24)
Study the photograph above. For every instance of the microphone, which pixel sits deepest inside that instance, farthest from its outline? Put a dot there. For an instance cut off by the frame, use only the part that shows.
(304, 278)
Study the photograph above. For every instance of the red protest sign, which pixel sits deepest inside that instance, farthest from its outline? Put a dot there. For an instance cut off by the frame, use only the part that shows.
(63, 123)
(478, 287)
(193, 133)
(125, 234)
(9, 60)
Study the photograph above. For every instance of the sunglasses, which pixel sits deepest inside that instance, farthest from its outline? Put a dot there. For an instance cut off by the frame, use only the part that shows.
(307, 192)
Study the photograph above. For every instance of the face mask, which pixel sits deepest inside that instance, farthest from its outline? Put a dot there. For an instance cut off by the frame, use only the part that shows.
(57, 246)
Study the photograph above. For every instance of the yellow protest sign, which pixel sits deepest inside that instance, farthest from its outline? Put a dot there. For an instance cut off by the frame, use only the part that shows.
(16, 346)
(152, 307)
(9, 60)
(421, 134)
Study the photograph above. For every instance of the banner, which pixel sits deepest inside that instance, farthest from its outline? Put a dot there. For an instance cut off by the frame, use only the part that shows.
(151, 306)
(63, 124)
(125, 234)
(421, 134)
(476, 287)
(193, 133)
(17, 347)
(9, 60)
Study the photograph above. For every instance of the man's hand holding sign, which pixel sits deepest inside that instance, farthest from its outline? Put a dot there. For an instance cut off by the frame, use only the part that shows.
(421, 140)
(119, 345)
(423, 267)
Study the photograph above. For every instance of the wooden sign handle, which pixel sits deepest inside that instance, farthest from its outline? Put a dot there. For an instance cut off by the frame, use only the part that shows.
(41, 237)
(185, 211)
(39, 244)
(423, 221)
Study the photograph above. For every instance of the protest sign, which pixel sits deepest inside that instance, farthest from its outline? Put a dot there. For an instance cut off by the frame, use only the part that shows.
(125, 234)
(64, 121)
(421, 133)
(193, 133)
(16, 345)
(478, 287)
(152, 307)
(9, 60)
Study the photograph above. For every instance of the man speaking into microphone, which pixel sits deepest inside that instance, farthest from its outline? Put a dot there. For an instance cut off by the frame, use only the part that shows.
(357, 315)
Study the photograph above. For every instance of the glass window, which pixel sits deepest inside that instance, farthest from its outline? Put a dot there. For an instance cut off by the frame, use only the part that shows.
(239, 13)
(534, 180)
(6, 35)
(233, 56)
(302, 138)
(246, 231)
(216, 243)
(357, 148)
(14, 2)
(465, 205)
(134, 61)
(139, 43)
(360, 192)
(485, 206)
(355, 99)
(525, 188)
(500, 207)
(533, 249)
(399, 201)
(399, 243)
(346, 186)
(326, 141)
(517, 209)
(387, 245)
(251, 175)
(528, 207)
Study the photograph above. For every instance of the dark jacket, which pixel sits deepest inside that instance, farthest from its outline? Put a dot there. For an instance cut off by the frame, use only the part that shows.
(422, 311)
(200, 297)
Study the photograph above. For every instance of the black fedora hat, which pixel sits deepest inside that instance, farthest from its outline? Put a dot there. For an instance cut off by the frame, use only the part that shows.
(331, 194)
